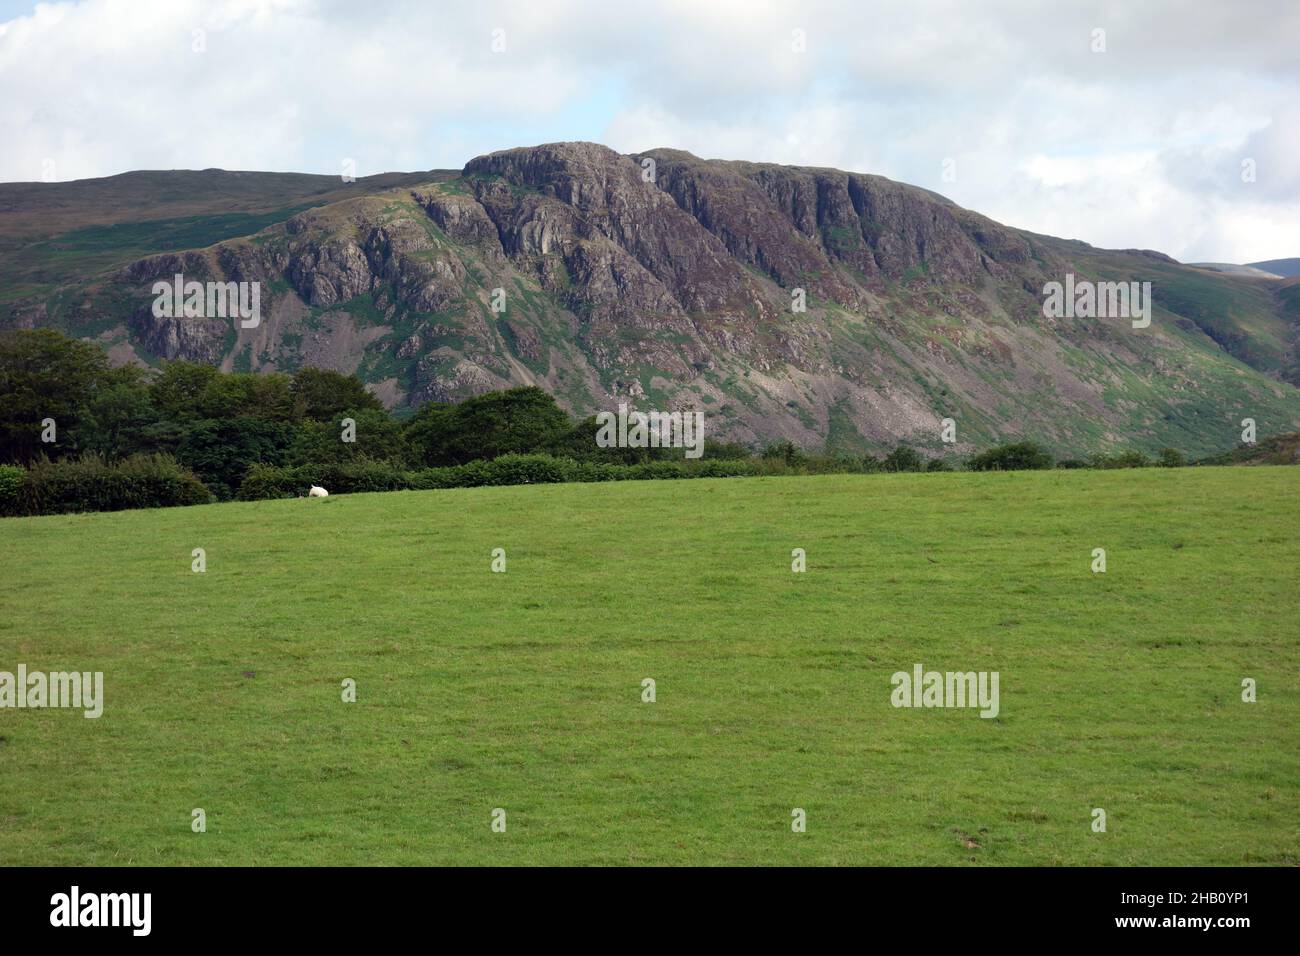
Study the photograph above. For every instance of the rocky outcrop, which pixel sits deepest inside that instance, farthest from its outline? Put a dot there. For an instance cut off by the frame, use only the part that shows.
(575, 192)
(663, 277)
(194, 340)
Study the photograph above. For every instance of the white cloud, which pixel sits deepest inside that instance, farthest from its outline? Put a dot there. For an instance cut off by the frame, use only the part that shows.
(1137, 146)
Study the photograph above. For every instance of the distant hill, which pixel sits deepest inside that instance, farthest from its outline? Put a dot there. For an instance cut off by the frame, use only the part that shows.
(1232, 268)
(1287, 268)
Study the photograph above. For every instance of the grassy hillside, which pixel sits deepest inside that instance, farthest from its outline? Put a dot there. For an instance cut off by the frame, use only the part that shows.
(56, 235)
(522, 690)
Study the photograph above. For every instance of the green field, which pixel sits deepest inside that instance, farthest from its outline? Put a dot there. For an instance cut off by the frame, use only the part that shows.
(478, 690)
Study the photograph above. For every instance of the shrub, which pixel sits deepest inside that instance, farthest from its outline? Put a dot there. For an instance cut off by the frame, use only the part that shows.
(785, 451)
(525, 470)
(518, 421)
(1018, 456)
(90, 484)
(11, 486)
(1171, 458)
(903, 458)
(363, 474)
(266, 481)
(325, 396)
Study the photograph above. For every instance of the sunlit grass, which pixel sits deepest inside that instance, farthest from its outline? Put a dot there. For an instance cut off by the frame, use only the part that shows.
(522, 690)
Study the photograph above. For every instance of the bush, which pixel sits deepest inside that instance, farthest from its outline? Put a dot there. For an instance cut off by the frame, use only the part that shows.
(1171, 458)
(11, 486)
(377, 436)
(363, 474)
(519, 421)
(1018, 456)
(267, 481)
(90, 484)
(787, 452)
(525, 470)
(903, 458)
(721, 468)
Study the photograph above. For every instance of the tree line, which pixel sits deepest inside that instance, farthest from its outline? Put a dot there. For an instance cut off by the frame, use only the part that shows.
(77, 433)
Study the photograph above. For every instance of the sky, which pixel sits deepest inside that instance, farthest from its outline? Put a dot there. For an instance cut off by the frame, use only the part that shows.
(1172, 126)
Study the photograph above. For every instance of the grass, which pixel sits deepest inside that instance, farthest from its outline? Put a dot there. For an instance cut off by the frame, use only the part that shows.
(523, 690)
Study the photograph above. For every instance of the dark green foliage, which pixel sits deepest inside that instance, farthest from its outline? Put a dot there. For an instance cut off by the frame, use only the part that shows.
(518, 421)
(323, 395)
(91, 484)
(580, 444)
(727, 450)
(11, 486)
(377, 436)
(259, 436)
(265, 481)
(269, 481)
(903, 458)
(45, 374)
(1018, 456)
(119, 417)
(785, 451)
(178, 389)
(221, 450)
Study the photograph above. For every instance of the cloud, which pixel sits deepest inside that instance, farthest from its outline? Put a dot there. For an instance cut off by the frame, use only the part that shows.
(1139, 145)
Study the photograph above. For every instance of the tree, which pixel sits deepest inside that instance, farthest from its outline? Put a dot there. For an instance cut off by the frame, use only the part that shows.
(517, 421)
(221, 450)
(580, 443)
(377, 437)
(1018, 456)
(179, 387)
(786, 451)
(120, 419)
(45, 374)
(1172, 458)
(903, 458)
(324, 395)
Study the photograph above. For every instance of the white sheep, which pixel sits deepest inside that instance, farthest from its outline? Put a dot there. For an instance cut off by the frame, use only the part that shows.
(317, 492)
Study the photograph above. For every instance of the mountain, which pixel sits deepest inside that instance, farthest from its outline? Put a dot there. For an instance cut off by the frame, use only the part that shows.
(1287, 268)
(665, 280)
(1234, 269)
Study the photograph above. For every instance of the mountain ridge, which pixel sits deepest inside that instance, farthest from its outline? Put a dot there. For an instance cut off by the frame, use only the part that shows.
(674, 289)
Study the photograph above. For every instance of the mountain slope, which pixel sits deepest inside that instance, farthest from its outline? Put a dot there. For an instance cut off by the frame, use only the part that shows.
(1286, 268)
(668, 280)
